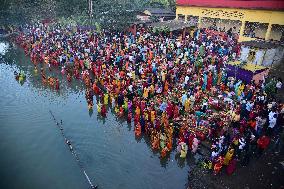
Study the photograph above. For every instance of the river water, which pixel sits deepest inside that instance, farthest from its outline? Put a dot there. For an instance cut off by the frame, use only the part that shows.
(33, 152)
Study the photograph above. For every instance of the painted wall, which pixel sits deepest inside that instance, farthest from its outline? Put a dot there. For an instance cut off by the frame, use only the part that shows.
(273, 56)
(259, 57)
(244, 53)
(243, 15)
(264, 16)
(279, 55)
(268, 57)
(263, 57)
(245, 4)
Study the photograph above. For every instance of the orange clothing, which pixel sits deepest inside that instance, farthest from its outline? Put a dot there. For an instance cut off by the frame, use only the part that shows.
(166, 88)
(170, 144)
(137, 111)
(151, 55)
(138, 130)
(164, 152)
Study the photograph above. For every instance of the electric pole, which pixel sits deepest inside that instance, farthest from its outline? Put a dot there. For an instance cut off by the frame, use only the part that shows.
(90, 10)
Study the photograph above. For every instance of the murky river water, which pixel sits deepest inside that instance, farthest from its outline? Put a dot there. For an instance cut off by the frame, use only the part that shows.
(33, 152)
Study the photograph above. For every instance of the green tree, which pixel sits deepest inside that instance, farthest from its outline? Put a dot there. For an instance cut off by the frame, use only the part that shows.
(170, 4)
(109, 14)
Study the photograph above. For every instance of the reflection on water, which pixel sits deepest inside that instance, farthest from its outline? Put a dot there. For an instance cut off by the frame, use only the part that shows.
(4, 46)
(36, 157)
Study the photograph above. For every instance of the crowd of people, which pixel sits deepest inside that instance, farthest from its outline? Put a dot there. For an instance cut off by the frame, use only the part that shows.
(175, 90)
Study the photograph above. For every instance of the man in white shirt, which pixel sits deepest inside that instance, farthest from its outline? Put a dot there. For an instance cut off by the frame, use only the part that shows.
(271, 114)
(272, 121)
(131, 58)
(130, 88)
(242, 143)
(186, 79)
(278, 84)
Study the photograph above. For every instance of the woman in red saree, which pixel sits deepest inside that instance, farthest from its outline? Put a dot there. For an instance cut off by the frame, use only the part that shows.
(138, 130)
(218, 165)
(103, 111)
(209, 81)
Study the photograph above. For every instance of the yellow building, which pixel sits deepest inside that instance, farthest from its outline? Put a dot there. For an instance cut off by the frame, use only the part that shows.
(253, 19)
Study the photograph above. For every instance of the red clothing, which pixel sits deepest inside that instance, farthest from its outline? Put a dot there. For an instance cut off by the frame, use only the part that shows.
(263, 142)
(176, 112)
(252, 124)
(231, 167)
(209, 82)
(170, 110)
(190, 141)
(57, 85)
(143, 105)
(68, 78)
(103, 111)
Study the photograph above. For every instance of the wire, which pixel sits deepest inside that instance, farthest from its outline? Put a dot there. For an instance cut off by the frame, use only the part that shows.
(68, 142)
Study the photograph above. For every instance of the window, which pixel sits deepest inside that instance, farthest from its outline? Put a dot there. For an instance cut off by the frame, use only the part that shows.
(255, 29)
(277, 32)
(181, 17)
(192, 19)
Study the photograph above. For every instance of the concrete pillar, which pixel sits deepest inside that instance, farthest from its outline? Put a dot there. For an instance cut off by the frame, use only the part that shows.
(242, 29)
(199, 22)
(267, 34)
(183, 33)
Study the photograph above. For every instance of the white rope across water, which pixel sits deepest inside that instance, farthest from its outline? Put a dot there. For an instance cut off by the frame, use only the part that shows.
(89, 180)
(72, 150)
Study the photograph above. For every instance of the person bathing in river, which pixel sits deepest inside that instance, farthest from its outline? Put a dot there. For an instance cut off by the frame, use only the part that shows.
(57, 84)
(104, 110)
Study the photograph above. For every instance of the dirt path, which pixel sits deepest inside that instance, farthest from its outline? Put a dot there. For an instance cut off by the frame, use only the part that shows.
(267, 172)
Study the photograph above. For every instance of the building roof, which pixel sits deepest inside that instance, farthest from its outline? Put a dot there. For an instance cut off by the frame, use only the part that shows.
(173, 25)
(142, 22)
(142, 14)
(160, 11)
(245, 4)
(262, 44)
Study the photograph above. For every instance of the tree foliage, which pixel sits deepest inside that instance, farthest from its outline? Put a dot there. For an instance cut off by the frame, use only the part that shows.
(109, 14)
(158, 30)
(162, 3)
